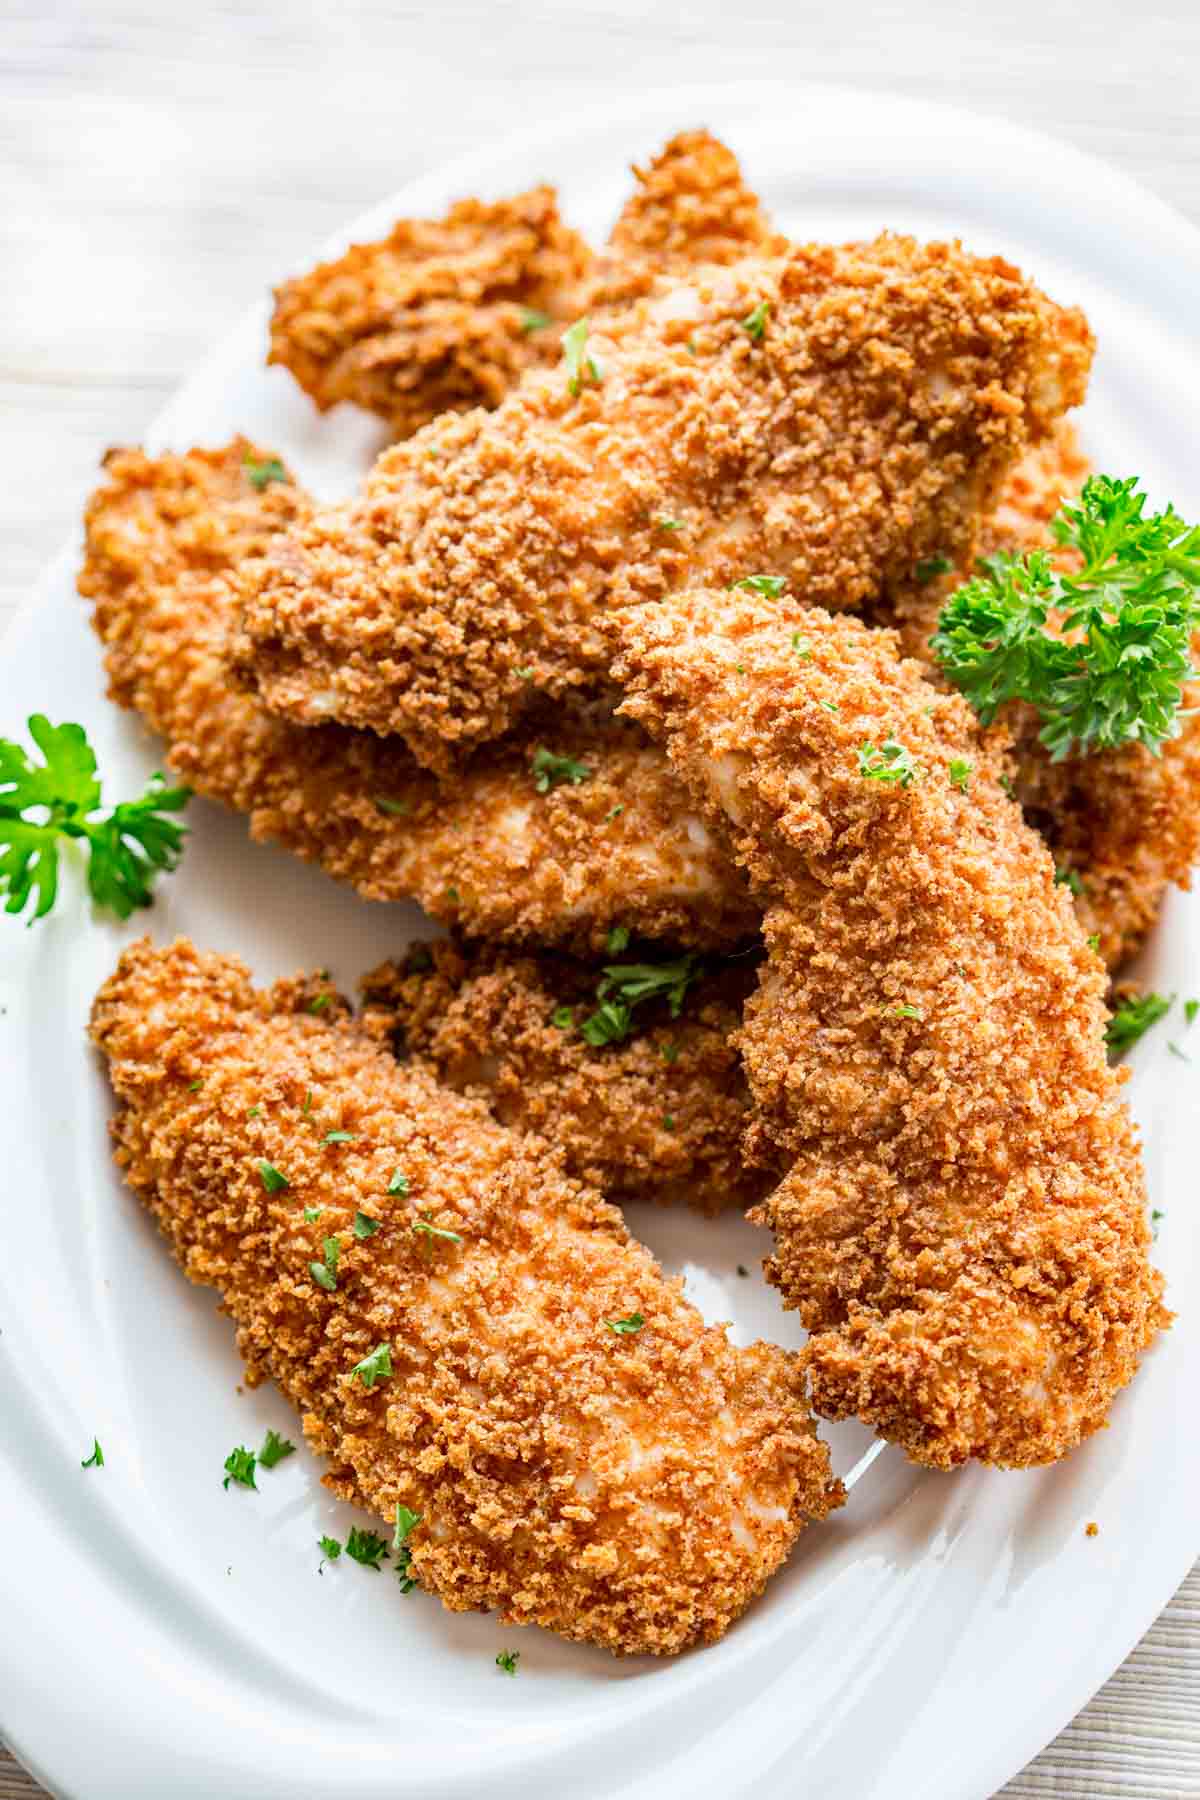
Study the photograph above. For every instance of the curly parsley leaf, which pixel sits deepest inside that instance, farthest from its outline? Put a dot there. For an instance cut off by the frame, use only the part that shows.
(1112, 668)
(625, 986)
(551, 770)
(41, 804)
(330, 1548)
(893, 764)
(1133, 1018)
(507, 1661)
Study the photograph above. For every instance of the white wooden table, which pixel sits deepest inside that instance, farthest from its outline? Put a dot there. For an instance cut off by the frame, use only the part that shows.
(160, 164)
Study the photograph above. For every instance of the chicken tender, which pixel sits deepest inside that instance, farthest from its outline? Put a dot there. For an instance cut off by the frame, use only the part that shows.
(1122, 825)
(962, 1227)
(448, 1325)
(447, 314)
(487, 850)
(441, 315)
(831, 417)
(657, 1116)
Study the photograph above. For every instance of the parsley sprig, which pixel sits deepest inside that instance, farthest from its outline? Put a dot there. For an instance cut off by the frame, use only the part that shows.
(1112, 669)
(43, 803)
(894, 764)
(1133, 1018)
(624, 986)
(551, 770)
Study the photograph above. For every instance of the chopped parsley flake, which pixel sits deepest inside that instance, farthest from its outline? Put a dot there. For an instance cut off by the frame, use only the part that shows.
(366, 1548)
(307, 1107)
(319, 1002)
(932, 567)
(533, 320)
(581, 364)
(96, 1459)
(325, 1274)
(665, 524)
(254, 1113)
(260, 475)
(615, 813)
(551, 771)
(272, 1179)
(194, 1087)
(398, 1184)
(755, 323)
(1068, 878)
(1190, 1009)
(375, 1367)
(313, 1213)
(893, 764)
(1133, 1018)
(617, 940)
(668, 1121)
(770, 585)
(507, 1661)
(364, 1225)
(406, 1522)
(330, 1548)
(626, 985)
(960, 773)
(436, 1231)
(563, 1018)
(1094, 940)
(395, 808)
(239, 1467)
(626, 1327)
(801, 646)
(905, 1012)
(274, 1449)
(339, 1137)
(669, 1052)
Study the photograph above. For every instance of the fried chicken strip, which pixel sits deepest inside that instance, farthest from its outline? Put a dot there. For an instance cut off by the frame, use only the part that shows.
(630, 1489)
(485, 850)
(447, 314)
(1122, 825)
(962, 1227)
(832, 416)
(658, 1116)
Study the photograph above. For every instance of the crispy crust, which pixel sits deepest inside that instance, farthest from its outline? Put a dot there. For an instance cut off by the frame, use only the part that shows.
(435, 318)
(963, 1227)
(486, 850)
(627, 1120)
(632, 1491)
(893, 386)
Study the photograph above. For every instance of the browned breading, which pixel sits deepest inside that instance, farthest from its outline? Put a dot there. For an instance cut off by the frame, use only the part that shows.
(485, 849)
(889, 390)
(635, 1490)
(963, 1227)
(691, 205)
(658, 1116)
(446, 314)
(1124, 824)
(441, 315)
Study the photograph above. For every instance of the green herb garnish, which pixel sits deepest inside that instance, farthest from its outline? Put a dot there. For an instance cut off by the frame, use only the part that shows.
(1133, 1018)
(274, 1449)
(366, 1548)
(581, 364)
(931, 567)
(364, 1225)
(273, 1179)
(339, 1137)
(96, 1459)
(1113, 671)
(755, 323)
(960, 773)
(436, 1231)
(770, 585)
(41, 804)
(893, 764)
(330, 1548)
(394, 808)
(533, 320)
(551, 770)
(260, 475)
(398, 1184)
(375, 1367)
(507, 1661)
(239, 1467)
(626, 1327)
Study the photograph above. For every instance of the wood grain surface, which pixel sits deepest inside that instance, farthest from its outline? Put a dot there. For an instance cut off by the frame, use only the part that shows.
(163, 164)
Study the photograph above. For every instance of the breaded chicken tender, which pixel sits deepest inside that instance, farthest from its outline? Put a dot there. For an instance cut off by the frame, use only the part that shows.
(441, 315)
(962, 1227)
(832, 416)
(445, 1326)
(659, 1115)
(486, 850)
(447, 314)
(1122, 825)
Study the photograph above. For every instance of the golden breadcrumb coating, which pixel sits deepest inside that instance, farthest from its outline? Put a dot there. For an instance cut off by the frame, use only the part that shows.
(1122, 825)
(833, 416)
(962, 1227)
(446, 314)
(485, 849)
(441, 315)
(658, 1116)
(634, 1490)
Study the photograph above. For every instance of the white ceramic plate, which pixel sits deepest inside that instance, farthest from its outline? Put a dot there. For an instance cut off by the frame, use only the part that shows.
(163, 1636)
